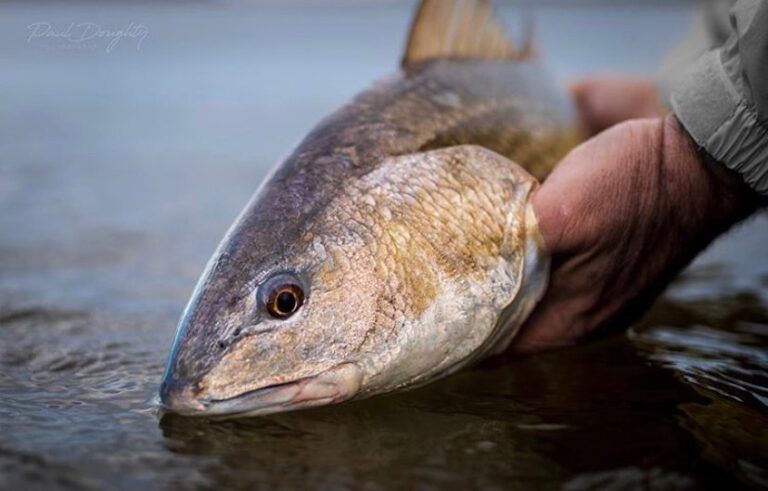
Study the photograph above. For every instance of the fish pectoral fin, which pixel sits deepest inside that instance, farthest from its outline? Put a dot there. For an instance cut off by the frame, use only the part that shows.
(468, 29)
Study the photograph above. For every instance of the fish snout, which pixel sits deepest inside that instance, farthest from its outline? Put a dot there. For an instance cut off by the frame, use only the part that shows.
(179, 397)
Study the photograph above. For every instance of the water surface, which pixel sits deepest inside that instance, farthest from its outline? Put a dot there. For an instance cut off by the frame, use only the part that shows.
(119, 173)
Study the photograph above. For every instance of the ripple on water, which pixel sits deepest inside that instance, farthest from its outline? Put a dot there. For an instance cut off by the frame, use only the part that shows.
(66, 367)
(727, 364)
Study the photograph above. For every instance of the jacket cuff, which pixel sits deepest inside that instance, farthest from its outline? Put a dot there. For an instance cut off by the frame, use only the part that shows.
(721, 122)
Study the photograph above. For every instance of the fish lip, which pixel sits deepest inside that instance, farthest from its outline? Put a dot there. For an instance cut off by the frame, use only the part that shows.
(335, 385)
(237, 404)
(242, 403)
(260, 390)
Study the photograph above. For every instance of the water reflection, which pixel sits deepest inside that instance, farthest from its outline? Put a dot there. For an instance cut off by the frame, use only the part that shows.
(679, 403)
(524, 423)
(727, 364)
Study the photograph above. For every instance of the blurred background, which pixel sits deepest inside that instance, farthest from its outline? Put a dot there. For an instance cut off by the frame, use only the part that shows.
(130, 137)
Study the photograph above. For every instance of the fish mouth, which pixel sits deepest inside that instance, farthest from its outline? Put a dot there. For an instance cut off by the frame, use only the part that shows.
(333, 386)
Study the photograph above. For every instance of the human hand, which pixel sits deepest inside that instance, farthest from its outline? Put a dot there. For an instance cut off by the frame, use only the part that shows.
(605, 100)
(620, 215)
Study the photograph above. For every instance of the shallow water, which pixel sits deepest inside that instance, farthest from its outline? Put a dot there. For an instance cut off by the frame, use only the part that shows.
(121, 171)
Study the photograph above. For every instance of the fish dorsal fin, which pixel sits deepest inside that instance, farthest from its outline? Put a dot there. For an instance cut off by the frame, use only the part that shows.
(468, 29)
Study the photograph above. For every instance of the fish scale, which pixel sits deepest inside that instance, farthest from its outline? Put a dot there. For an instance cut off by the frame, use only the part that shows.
(402, 220)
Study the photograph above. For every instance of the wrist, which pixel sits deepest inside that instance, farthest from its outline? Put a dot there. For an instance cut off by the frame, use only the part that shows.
(709, 196)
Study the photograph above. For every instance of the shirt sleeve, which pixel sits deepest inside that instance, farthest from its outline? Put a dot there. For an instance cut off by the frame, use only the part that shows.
(722, 99)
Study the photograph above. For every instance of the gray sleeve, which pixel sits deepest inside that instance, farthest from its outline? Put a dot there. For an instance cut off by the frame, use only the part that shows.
(722, 99)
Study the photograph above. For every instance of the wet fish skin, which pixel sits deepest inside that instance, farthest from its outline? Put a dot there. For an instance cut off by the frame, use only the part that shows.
(407, 226)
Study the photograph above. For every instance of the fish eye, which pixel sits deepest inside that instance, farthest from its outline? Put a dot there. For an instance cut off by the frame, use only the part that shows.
(282, 296)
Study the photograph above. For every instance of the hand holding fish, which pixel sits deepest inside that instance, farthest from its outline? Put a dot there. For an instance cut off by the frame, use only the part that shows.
(622, 213)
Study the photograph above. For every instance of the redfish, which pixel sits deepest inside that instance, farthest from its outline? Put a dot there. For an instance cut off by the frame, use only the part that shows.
(395, 245)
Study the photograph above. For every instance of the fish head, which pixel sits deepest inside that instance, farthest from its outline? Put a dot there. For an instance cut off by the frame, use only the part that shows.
(282, 336)
(409, 273)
